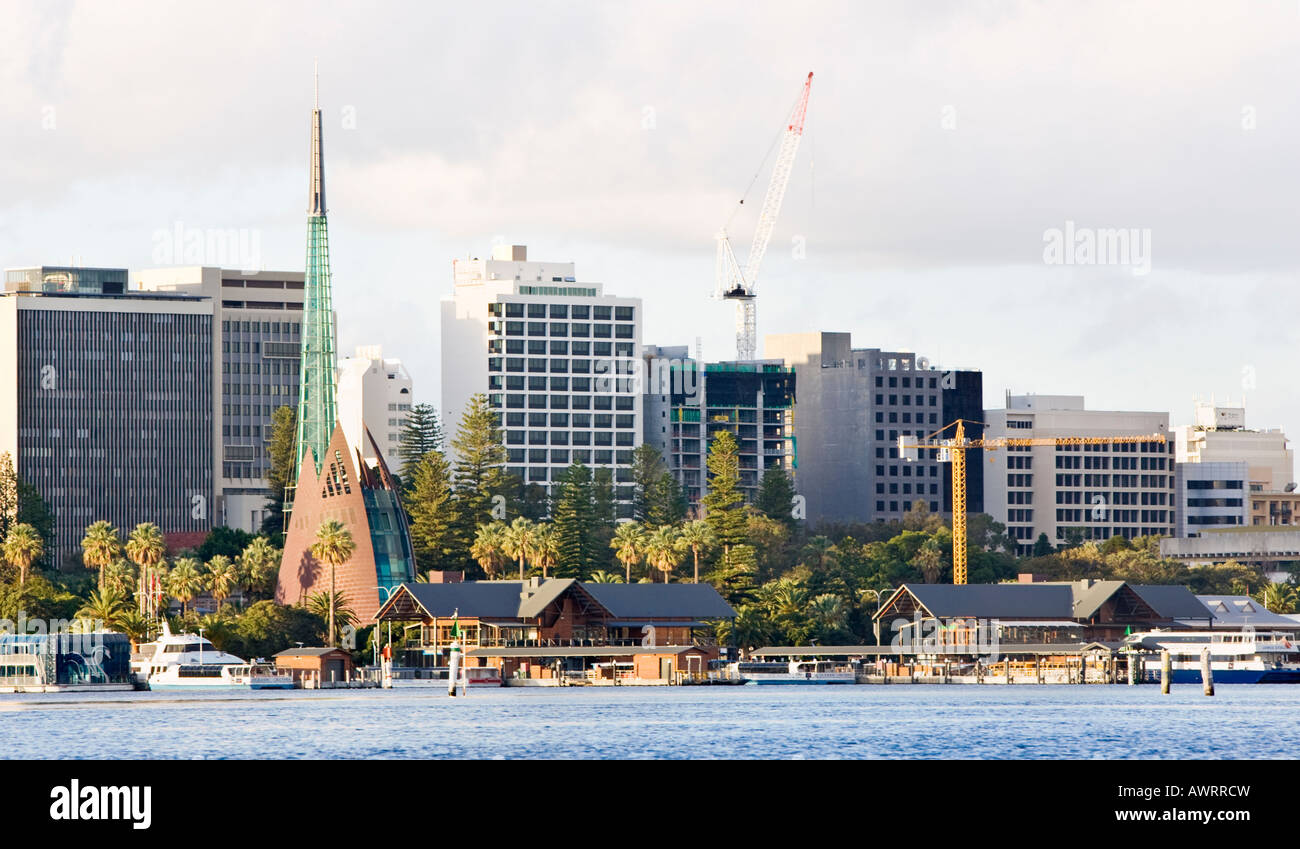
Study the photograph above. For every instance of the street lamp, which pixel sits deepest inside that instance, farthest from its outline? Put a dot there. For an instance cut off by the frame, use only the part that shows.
(875, 620)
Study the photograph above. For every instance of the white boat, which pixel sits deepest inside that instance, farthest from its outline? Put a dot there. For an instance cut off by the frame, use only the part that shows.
(1236, 657)
(795, 672)
(189, 660)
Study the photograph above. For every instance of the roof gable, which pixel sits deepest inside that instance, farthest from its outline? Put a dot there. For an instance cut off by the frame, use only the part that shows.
(991, 601)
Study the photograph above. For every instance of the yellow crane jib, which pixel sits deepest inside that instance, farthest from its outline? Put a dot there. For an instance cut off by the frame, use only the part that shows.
(953, 449)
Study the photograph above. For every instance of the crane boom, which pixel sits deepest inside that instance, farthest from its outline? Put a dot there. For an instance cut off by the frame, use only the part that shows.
(733, 284)
(956, 448)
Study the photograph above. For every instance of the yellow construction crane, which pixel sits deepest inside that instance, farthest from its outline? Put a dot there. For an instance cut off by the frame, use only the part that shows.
(954, 449)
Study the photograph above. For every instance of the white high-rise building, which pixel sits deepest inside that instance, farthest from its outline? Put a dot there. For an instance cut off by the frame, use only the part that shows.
(557, 359)
(374, 392)
(1083, 491)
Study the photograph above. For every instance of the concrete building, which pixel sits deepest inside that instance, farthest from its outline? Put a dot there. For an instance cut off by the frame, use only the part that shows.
(686, 406)
(1274, 508)
(556, 358)
(1269, 549)
(374, 393)
(853, 403)
(1083, 491)
(1219, 435)
(106, 402)
(255, 364)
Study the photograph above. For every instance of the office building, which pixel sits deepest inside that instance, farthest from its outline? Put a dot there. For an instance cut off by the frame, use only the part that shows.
(1075, 492)
(853, 403)
(258, 318)
(374, 393)
(686, 406)
(556, 358)
(106, 402)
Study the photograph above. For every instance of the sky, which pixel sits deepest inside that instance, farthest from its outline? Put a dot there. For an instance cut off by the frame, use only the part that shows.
(959, 159)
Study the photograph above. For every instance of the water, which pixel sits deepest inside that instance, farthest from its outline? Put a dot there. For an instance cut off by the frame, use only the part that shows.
(897, 721)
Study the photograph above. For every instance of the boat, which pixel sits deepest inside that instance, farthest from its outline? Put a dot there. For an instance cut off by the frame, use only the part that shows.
(482, 676)
(795, 672)
(1236, 657)
(189, 660)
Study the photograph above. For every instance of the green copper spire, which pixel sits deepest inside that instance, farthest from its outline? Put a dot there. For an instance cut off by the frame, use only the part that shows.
(316, 407)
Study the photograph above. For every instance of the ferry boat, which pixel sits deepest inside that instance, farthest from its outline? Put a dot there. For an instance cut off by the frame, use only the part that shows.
(187, 660)
(1236, 657)
(795, 672)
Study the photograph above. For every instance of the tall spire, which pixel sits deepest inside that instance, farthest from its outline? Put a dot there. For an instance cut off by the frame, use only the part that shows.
(316, 392)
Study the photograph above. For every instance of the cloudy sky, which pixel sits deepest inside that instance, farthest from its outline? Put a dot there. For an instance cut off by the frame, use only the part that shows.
(945, 143)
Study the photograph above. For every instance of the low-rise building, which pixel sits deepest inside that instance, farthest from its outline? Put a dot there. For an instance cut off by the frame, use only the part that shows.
(317, 665)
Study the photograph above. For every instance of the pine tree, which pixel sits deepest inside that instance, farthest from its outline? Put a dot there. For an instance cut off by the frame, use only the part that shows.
(667, 503)
(479, 470)
(420, 434)
(604, 518)
(776, 497)
(8, 494)
(432, 510)
(280, 452)
(724, 503)
(647, 467)
(574, 517)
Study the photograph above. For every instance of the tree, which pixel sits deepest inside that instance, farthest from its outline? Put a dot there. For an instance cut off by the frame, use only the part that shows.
(662, 550)
(478, 471)
(146, 548)
(332, 607)
(259, 566)
(432, 510)
(628, 542)
(266, 628)
(421, 434)
(106, 606)
(120, 576)
(919, 518)
(222, 577)
(518, 541)
(1279, 598)
(545, 549)
(574, 517)
(724, 505)
(22, 547)
(929, 560)
(489, 548)
(667, 501)
(185, 581)
(334, 546)
(776, 497)
(230, 542)
(100, 547)
(647, 466)
(1042, 546)
(697, 538)
(279, 473)
(21, 503)
(8, 494)
(600, 576)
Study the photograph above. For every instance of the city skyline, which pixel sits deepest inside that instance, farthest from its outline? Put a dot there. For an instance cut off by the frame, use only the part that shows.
(630, 172)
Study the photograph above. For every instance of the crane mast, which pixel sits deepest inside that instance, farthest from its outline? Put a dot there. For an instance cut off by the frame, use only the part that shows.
(731, 283)
(954, 449)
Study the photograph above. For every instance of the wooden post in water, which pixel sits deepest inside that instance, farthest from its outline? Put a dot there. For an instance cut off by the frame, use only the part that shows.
(1006, 667)
(1207, 676)
(1130, 669)
(1166, 671)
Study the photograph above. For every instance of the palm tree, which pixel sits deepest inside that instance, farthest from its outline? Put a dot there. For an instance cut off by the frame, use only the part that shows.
(185, 581)
(146, 548)
(1280, 598)
(259, 565)
(600, 576)
(120, 576)
(222, 578)
(106, 606)
(629, 539)
(545, 548)
(662, 550)
(929, 560)
(697, 537)
(100, 547)
(518, 541)
(22, 547)
(333, 547)
(132, 623)
(489, 548)
(327, 605)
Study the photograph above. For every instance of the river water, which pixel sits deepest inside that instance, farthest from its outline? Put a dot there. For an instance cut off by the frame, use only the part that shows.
(897, 721)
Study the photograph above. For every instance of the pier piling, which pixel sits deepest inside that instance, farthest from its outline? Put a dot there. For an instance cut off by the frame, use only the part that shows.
(1166, 671)
(1207, 675)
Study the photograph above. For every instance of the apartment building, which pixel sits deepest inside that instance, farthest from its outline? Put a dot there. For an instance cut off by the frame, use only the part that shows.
(374, 392)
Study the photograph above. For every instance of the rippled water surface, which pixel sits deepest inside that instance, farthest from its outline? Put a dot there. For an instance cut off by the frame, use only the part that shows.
(898, 721)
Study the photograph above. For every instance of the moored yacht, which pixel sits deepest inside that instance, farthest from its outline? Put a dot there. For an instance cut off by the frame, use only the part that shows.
(188, 660)
(795, 672)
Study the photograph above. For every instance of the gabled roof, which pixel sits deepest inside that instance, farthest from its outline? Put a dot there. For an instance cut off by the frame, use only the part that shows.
(660, 601)
(521, 600)
(1239, 610)
(1172, 601)
(308, 652)
(993, 601)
